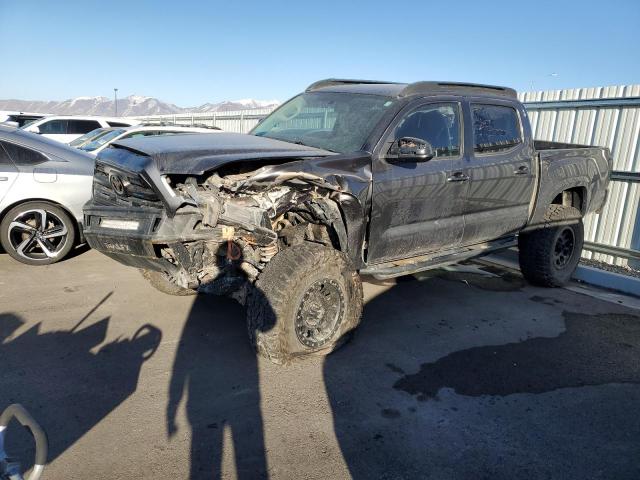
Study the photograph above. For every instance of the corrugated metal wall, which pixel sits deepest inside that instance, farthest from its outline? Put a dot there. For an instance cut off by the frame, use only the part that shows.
(603, 116)
(598, 116)
(240, 121)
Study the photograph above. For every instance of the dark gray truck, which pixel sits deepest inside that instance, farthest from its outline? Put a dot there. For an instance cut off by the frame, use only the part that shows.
(348, 178)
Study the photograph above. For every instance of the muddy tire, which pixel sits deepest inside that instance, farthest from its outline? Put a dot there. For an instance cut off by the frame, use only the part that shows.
(160, 281)
(306, 301)
(549, 256)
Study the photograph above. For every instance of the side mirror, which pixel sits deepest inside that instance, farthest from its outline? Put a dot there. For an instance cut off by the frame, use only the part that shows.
(35, 129)
(411, 148)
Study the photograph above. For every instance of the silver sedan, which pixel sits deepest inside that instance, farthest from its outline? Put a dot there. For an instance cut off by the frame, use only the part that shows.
(43, 186)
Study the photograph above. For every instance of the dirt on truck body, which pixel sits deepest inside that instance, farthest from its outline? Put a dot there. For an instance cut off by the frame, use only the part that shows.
(349, 177)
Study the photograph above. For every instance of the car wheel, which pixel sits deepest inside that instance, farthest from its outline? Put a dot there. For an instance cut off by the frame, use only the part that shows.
(306, 301)
(162, 282)
(549, 256)
(37, 233)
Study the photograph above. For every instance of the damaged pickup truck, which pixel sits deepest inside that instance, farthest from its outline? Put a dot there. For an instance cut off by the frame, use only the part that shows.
(348, 178)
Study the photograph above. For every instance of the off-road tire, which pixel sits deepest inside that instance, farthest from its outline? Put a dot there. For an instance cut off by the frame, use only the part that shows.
(537, 258)
(273, 302)
(50, 208)
(160, 281)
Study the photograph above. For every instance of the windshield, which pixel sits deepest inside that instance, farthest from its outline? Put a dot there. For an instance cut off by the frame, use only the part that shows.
(87, 137)
(101, 140)
(339, 122)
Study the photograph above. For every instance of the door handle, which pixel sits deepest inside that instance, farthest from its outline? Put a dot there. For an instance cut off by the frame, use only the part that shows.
(521, 170)
(458, 177)
(4, 179)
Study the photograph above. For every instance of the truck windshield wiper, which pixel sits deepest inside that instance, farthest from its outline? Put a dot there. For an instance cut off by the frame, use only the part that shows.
(299, 142)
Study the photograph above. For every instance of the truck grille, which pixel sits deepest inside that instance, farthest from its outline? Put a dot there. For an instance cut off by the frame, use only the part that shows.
(113, 186)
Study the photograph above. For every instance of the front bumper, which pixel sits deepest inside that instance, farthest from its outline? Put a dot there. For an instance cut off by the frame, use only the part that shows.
(135, 236)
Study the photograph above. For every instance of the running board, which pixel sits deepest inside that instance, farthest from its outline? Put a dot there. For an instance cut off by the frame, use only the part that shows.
(399, 268)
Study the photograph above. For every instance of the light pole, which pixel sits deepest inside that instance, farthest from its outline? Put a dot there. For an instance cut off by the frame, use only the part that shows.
(552, 75)
(115, 94)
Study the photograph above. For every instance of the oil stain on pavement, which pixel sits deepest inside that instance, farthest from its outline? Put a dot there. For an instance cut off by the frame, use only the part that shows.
(593, 350)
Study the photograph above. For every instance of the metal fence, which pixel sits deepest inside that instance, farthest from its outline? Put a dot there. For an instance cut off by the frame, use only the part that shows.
(240, 121)
(607, 117)
(603, 116)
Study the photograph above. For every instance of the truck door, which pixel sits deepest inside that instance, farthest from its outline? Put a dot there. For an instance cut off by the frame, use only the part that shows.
(500, 170)
(8, 172)
(416, 204)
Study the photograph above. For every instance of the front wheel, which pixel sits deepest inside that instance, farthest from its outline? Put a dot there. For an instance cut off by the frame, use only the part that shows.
(306, 301)
(550, 255)
(162, 282)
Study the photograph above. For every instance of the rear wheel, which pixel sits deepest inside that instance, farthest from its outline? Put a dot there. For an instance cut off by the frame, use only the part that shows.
(162, 282)
(37, 233)
(306, 301)
(550, 255)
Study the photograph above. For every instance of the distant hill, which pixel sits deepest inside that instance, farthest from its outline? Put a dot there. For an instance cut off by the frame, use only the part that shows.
(133, 105)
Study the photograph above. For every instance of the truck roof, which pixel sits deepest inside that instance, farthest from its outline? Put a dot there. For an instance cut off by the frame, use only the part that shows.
(394, 89)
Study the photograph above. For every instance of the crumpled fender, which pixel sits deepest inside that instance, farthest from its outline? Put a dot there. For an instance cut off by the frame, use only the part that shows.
(347, 177)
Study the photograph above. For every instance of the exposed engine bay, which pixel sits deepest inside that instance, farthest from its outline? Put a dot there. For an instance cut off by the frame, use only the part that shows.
(242, 219)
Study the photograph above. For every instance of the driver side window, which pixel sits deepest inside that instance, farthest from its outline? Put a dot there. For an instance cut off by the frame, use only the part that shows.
(438, 124)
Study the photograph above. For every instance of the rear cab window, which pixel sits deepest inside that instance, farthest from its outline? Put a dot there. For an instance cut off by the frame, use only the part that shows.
(496, 128)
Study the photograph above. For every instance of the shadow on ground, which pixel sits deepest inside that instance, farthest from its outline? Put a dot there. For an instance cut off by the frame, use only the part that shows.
(455, 377)
(69, 380)
(216, 374)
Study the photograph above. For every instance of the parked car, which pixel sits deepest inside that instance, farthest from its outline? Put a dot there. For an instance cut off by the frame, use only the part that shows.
(18, 119)
(88, 137)
(348, 178)
(66, 128)
(100, 139)
(43, 185)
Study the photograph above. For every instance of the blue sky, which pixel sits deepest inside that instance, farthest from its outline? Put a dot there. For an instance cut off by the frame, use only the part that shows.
(191, 52)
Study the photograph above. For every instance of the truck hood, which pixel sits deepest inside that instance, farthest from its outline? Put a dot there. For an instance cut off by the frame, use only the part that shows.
(195, 154)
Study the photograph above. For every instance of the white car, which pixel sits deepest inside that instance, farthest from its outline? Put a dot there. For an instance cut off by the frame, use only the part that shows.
(43, 186)
(66, 128)
(96, 141)
(19, 119)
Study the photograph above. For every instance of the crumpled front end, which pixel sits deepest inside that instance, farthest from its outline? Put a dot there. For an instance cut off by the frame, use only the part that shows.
(214, 233)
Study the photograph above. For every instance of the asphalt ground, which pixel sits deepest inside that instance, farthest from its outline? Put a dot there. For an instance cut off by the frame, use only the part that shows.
(467, 374)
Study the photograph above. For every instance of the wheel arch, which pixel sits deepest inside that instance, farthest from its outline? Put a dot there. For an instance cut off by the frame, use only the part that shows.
(572, 197)
(343, 217)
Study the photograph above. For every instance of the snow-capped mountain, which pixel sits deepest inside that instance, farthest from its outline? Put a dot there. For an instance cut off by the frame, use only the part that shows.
(231, 105)
(133, 105)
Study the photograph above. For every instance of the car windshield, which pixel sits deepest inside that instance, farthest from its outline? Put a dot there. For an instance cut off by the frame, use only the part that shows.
(87, 137)
(339, 122)
(101, 140)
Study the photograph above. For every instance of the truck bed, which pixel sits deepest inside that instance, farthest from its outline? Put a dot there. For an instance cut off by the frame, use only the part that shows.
(565, 166)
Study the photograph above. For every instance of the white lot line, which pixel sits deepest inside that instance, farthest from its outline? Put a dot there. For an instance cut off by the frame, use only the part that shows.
(584, 289)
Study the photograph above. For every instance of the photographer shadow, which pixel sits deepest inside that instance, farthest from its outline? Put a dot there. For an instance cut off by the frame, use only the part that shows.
(215, 373)
(67, 387)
